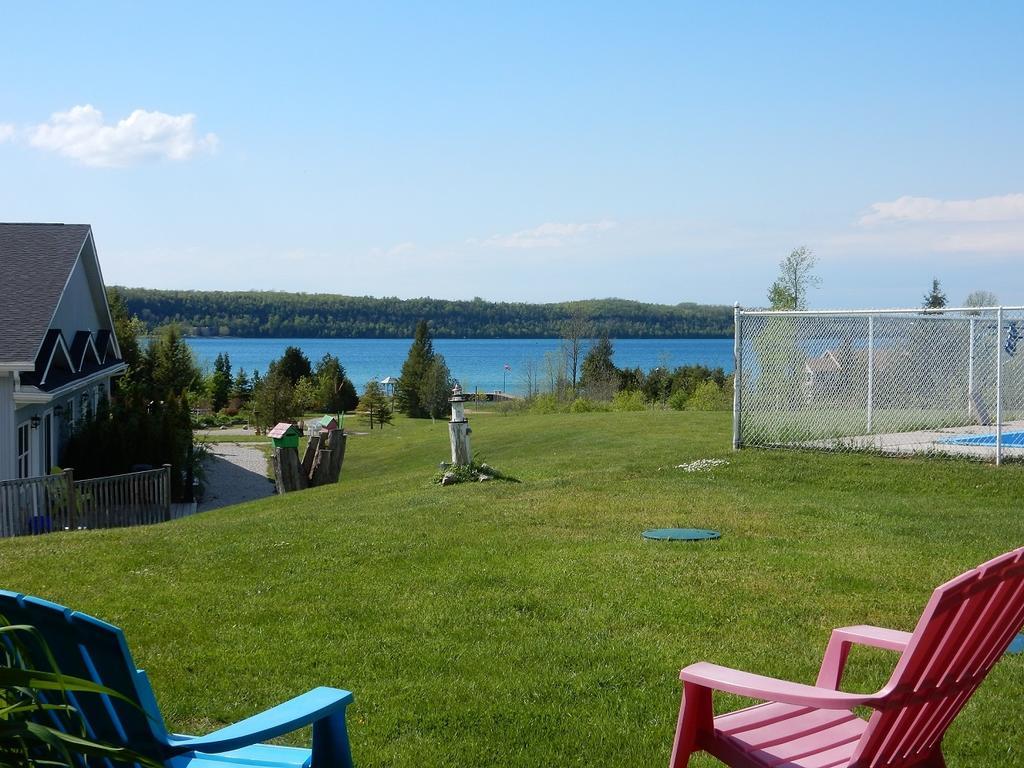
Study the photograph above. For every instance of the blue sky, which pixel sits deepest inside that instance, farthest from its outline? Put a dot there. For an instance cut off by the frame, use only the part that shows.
(538, 152)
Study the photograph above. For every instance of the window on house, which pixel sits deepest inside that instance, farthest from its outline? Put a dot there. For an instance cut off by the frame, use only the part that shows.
(24, 449)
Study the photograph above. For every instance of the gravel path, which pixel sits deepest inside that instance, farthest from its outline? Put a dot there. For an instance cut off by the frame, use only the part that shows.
(235, 472)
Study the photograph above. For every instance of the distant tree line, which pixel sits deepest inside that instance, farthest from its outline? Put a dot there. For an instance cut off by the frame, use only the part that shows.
(291, 386)
(580, 380)
(301, 315)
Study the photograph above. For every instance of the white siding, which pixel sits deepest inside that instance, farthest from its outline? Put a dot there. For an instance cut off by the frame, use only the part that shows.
(8, 435)
(77, 310)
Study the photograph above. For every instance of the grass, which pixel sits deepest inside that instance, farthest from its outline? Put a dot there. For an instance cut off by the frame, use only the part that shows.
(529, 624)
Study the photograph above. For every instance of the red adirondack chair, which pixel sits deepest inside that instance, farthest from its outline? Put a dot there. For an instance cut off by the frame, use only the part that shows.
(964, 630)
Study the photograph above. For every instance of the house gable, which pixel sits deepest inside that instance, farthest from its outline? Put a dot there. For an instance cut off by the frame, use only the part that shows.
(36, 261)
(83, 303)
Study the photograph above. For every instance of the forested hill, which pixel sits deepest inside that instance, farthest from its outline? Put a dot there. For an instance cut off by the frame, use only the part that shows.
(305, 315)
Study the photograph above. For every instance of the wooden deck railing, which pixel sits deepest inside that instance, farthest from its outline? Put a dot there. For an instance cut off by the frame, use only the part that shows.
(36, 505)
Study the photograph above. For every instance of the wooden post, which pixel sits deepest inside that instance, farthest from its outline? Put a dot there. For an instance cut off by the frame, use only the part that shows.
(275, 457)
(337, 444)
(167, 491)
(287, 470)
(321, 468)
(459, 436)
(69, 484)
(307, 458)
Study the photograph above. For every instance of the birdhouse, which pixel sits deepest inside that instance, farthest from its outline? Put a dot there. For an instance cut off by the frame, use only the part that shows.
(328, 423)
(285, 435)
(458, 429)
(458, 402)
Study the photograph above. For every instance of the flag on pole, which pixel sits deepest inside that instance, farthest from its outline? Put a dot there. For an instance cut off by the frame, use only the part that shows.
(508, 367)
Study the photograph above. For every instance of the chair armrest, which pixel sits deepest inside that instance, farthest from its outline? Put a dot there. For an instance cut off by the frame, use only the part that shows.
(876, 637)
(834, 661)
(771, 689)
(296, 713)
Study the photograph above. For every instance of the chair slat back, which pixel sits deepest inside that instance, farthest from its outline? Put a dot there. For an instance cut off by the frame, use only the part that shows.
(968, 624)
(85, 647)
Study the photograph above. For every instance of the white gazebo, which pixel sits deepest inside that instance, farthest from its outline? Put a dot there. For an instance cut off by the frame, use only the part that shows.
(389, 385)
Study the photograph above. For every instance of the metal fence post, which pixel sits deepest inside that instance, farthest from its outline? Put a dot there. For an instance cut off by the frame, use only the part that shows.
(970, 370)
(737, 376)
(871, 370)
(167, 491)
(999, 386)
(69, 480)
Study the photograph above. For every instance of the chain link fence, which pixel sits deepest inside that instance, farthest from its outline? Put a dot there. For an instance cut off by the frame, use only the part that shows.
(896, 381)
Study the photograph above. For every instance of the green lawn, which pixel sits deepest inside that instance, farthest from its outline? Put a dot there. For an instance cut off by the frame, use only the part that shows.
(528, 624)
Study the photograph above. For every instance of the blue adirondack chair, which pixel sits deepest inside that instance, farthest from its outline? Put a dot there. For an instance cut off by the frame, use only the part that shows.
(89, 648)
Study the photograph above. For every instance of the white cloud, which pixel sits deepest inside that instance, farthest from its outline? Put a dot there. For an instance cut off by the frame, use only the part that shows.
(401, 248)
(1006, 242)
(548, 235)
(6, 132)
(929, 209)
(82, 135)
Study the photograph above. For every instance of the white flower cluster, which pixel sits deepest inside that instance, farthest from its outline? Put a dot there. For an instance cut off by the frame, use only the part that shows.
(702, 465)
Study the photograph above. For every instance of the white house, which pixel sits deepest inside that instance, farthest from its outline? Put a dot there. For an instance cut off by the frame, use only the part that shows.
(58, 349)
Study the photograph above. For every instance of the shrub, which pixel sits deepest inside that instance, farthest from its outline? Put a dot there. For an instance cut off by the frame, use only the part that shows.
(581, 405)
(677, 401)
(508, 407)
(629, 400)
(546, 403)
(452, 474)
(707, 397)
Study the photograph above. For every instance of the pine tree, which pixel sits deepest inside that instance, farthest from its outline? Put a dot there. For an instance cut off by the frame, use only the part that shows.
(220, 382)
(414, 370)
(373, 406)
(436, 388)
(171, 366)
(294, 364)
(242, 387)
(935, 298)
(336, 390)
(273, 399)
(599, 371)
(127, 328)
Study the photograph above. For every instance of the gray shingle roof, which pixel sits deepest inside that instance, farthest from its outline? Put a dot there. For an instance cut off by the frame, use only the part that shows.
(35, 262)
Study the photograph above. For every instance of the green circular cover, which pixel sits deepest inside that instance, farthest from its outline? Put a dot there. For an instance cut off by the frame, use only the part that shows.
(681, 534)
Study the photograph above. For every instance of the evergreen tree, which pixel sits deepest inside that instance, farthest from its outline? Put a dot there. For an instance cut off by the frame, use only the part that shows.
(294, 364)
(414, 369)
(220, 382)
(337, 393)
(242, 387)
(273, 399)
(600, 375)
(373, 406)
(127, 328)
(935, 298)
(436, 388)
(171, 366)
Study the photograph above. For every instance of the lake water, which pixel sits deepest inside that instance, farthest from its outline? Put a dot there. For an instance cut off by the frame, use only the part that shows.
(478, 364)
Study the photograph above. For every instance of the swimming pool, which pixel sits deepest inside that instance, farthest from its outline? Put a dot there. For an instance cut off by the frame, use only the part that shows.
(1009, 439)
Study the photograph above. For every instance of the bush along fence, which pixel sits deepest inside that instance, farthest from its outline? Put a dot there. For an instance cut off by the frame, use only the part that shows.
(37, 505)
(895, 381)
